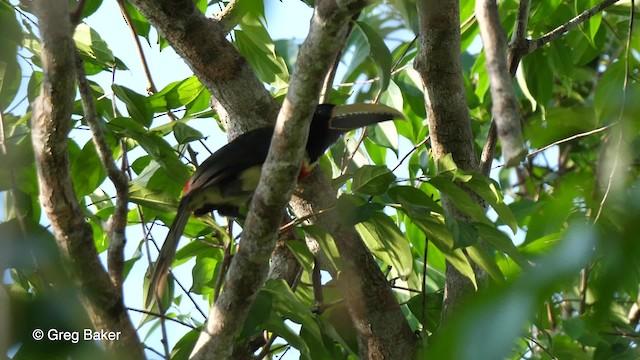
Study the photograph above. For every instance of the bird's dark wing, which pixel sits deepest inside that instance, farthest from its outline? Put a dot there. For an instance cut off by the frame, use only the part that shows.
(245, 151)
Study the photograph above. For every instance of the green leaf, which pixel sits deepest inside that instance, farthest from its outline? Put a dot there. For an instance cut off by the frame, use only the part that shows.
(463, 234)
(385, 133)
(183, 348)
(433, 309)
(609, 93)
(561, 122)
(137, 105)
(178, 94)
(372, 180)
(198, 248)
(432, 224)
(591, 26)
(276, 325)
(258, 315)
(10, 70)
(481, 257)
(413, 197)
(90, 7)
(140, 22)
(386, 241)
(490, 192)
(287, 305)
(203, 274)
(541, 10)
(94, 50)
(326, 243)
(35, 83)
(353, 209)
(155, 146)
(87, 171)
(256, 45)
(501, 242)
(378, 52)
(538, 75)
(460, 198)
(377, 153)
(465, 335)
(302, 253)
(185, 134)
(137, 255)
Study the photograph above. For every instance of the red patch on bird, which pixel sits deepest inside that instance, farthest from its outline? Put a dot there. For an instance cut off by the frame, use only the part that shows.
(305, 170)
(186, 187)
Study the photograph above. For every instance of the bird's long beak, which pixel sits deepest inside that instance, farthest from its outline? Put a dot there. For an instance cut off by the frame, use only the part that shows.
(353, 116)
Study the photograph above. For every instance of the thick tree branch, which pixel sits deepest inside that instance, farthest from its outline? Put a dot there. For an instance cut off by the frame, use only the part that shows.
(115, 227)
(449, 126)
(517, 49)
(504, 109)
(50, 127)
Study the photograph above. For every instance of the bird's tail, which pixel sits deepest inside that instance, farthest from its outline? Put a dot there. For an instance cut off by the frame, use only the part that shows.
(160, 270)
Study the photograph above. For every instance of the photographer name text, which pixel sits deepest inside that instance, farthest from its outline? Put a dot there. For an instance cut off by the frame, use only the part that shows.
(76, 336)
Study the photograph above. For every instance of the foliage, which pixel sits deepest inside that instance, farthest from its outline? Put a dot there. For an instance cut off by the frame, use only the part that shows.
(558, 244)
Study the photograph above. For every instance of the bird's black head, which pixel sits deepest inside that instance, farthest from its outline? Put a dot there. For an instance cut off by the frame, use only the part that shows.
(321, 136)
(331, 121)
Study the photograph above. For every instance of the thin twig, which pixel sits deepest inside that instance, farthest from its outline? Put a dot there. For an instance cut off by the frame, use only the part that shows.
(584, 283)
(226, 260)
(162, 316)
(416, 147)
(405, 289)
(77, 13)
(627, 72)
(302, 219)
(151, 87)
(540, 346)
(571, 24)
(573, 137)
(423, 318)
(266, 348)
(228, 14)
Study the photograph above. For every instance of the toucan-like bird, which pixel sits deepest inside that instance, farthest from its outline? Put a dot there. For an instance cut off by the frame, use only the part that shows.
(227, 179)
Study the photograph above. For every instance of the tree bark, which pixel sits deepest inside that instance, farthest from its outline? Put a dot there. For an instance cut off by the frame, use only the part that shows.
(50, 127)
(438, 63)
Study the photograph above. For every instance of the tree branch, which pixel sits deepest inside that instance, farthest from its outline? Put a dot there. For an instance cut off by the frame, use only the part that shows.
(504, 109)
(115, 227)
(517, 49)
(564, 28)
(50, 127)
(438, 64)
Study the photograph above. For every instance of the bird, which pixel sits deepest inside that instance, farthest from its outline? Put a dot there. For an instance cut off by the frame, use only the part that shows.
(227, 179)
